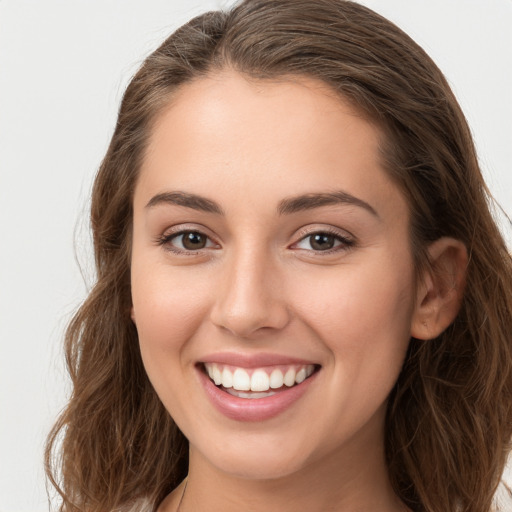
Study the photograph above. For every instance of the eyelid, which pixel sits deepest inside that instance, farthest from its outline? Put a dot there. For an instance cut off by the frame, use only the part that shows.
(175, 231)
(323, 228)
(347, 239)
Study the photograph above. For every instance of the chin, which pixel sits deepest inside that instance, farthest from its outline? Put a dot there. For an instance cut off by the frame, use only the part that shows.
(251, 460)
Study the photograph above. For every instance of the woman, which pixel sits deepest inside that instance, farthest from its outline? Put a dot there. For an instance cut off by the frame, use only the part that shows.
(302, 301)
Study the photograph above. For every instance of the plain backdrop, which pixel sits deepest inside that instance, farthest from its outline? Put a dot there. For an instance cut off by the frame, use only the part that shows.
(63, 67)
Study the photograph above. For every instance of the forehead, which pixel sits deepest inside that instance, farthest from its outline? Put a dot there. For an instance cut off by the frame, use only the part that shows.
(228, 103)
(296, 134)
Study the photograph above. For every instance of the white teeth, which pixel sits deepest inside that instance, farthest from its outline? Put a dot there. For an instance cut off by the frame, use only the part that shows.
(260, 381)
(301, 376)
(250, 394)
(241, 380)
(227, 378)
(276, 379)
(289, 378)
(217, 377)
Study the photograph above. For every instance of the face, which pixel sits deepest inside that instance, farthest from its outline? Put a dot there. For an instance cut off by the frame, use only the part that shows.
(272, 277)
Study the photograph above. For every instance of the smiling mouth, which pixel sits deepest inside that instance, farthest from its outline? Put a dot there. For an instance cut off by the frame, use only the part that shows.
(258, 382)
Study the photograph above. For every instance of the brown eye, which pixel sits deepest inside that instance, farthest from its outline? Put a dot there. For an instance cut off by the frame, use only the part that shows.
(192, 240)
(186, 242)
(322, 241)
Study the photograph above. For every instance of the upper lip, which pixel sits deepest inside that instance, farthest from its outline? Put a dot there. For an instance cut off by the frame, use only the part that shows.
(253, 360)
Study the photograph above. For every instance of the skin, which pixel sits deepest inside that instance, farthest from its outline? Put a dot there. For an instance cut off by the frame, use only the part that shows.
(258, 285)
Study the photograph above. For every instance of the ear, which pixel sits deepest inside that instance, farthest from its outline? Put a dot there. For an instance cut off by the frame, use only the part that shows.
(440, 291)
(132, 315)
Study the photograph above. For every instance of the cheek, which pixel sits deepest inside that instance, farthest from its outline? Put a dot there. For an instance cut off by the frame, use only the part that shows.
(362, 315)
(168, 309)
(359, 299)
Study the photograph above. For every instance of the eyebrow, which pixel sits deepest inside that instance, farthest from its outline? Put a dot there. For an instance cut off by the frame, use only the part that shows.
(187, 200)
(286, 206)
(310, 201)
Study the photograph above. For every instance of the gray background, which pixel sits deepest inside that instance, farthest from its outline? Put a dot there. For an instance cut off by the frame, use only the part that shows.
(63, 67)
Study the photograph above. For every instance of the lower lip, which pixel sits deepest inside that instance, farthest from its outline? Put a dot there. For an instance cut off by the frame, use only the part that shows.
(253, 409)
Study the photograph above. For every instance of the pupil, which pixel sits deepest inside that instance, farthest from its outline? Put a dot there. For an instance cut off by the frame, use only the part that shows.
(194, 241)
(322, 242)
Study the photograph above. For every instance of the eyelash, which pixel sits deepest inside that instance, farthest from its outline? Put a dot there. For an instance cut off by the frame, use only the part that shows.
(345, 244)
(166, 239)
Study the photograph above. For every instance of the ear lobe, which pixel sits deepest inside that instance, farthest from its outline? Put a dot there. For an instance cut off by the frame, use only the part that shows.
(441, 289)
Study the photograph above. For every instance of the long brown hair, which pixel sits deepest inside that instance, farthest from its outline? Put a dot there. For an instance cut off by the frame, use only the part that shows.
(449, 421)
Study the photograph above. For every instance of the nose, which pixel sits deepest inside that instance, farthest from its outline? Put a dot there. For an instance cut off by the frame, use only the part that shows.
(250, 299)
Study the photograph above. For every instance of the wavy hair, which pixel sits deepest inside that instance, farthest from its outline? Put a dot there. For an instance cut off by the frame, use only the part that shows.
(449, 418)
